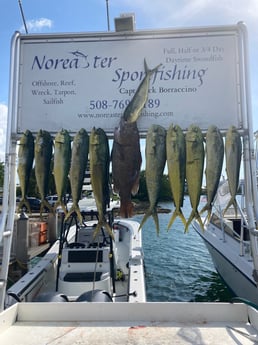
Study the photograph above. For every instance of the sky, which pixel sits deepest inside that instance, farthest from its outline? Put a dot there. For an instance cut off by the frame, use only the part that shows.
(50, 16)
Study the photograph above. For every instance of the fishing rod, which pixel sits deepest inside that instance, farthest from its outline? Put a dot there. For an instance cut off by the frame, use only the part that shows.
(23, 17)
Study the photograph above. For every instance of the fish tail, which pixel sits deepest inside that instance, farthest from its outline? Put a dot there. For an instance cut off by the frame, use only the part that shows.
(76, 209)
(232, 201)
(172, 219)
(207, 208)
(45, 205)
(235, 206)
(24, 202)
(148, 70)
(209, 214)
(154, 214)
(182, 217)
(68, 215)
(189, 221)
(199, 220)
(156, 220)
(176, 213)
(126, 209)
(146, 216)
(97, 230)
(194, 214)
(103, 223)
(60, 203)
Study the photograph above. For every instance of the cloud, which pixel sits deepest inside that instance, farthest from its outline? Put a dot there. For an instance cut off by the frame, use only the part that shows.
(3, 123)
(176, 13)
(37, 25)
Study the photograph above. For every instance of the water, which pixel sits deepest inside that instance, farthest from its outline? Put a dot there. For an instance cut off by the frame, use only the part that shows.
(178, 266)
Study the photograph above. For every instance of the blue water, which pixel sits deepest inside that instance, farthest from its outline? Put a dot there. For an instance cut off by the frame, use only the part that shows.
(178, 266)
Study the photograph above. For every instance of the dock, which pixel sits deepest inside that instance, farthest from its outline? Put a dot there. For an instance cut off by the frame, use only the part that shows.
(32, 238)
(128, 323)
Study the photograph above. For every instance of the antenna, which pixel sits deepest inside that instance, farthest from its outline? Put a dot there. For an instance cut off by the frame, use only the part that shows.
(107, 15)
(23, 18)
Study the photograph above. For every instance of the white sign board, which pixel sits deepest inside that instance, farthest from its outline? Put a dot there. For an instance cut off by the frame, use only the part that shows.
(72, 82)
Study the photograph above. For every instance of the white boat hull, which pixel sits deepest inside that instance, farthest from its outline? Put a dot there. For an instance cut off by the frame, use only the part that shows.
(234, 269)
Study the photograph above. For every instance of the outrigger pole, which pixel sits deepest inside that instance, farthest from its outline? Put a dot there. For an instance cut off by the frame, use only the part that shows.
(23, 17)
(107, 15)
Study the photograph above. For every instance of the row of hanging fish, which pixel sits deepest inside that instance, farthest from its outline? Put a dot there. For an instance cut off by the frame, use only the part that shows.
(185, 155)
(68, 161)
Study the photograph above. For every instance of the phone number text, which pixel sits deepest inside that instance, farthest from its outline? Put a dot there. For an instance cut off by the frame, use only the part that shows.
(121, 104)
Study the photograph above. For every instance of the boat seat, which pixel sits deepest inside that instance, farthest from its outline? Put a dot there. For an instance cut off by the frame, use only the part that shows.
(74, 284)
(80, 266)
(82, 276)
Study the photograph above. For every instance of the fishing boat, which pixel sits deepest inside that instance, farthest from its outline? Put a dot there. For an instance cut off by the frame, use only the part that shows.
(83, 267)
(228, 239)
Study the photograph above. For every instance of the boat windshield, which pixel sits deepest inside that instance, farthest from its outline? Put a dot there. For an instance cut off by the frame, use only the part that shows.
(223, 197)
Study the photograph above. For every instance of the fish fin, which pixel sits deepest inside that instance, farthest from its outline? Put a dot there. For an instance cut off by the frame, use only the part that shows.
(60, 203)
(194, 214)
(199, 220)
(45, 205)
(97, 230)
(156, 220)
(209, 214)
(24, 202)
(148, 70)
(172, 219)
(182, 217)
(146, 216)
(207, 208)
(235, 206)
(76, 209)
(154, 214)
(126, 209)
(176, 213)
(103, 223)
(233, 202)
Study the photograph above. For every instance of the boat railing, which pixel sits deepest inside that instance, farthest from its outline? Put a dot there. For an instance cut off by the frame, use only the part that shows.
(233, 225)
(233, 222)
(25, 289)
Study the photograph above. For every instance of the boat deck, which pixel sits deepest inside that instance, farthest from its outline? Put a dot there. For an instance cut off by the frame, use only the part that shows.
(127, 323)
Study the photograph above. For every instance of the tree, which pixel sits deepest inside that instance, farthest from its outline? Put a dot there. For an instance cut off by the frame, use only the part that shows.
(165, 193)
(165, 189)
(142, 194)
